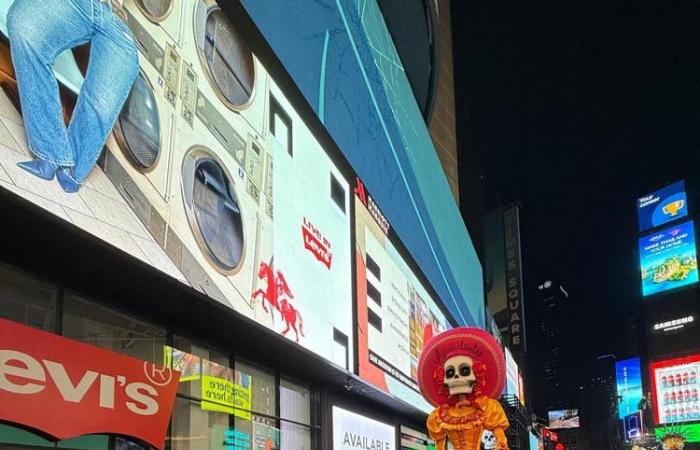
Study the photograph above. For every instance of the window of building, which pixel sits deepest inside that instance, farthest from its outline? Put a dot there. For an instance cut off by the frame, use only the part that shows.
(106, 328)
(281, 126)
(338, 193)
(295, 412)
(26, 300)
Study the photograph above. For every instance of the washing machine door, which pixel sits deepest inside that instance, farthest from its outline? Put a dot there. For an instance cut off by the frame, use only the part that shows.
(155, 10)
(138, 126)
(225, 56)
(213, 210)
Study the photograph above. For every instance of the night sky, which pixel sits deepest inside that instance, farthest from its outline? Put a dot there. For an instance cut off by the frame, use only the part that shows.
(578, 108)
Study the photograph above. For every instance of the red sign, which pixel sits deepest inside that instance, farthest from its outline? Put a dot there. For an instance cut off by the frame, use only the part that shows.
(316, 243)
(65, 388)
(675, 384)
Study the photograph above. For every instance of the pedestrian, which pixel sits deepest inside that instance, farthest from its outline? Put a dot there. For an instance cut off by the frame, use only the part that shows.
(38, 32)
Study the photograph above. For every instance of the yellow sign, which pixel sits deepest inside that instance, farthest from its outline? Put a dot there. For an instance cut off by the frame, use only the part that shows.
(227, 397)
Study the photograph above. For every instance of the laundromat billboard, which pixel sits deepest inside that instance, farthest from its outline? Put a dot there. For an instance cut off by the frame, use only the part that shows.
(396, 315)
(209, 174)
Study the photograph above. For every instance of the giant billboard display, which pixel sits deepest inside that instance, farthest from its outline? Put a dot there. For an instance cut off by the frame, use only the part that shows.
(675, 385)
(668, 259)
(212, 177)
(563, 419)
(396, 314)
(628, 376)
(512, 375)
(662, 206)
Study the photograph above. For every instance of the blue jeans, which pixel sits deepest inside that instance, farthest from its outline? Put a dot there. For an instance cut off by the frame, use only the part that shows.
(38, 32)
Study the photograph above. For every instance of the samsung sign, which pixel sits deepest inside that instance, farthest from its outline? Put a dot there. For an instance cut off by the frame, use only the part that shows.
(662, 206)
(352, 432)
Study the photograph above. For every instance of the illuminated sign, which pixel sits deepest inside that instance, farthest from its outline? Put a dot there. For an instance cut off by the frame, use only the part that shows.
(674, 325)
(514, 277)
(521, 389)
(563, 419)
(690, 431)
(512, 372)
(662, 206)
(66, 389)
(675, 387)
(668, 259)
(534, 442)
(352, 431)
(396, 314)
(633, 426)
(628, 375)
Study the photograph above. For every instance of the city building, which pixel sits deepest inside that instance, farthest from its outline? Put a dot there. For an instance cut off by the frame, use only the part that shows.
(294, 310)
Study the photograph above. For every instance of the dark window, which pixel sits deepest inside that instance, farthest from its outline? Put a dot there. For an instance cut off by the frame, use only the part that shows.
(338, 193)
(374, 320)
(26, 300)
(341, 355)
(373, 267)
(281, 126)
(374, 294)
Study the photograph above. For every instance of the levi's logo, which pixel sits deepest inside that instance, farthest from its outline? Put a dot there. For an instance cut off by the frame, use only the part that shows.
(316, 243)
(64, 388)
(22, 374)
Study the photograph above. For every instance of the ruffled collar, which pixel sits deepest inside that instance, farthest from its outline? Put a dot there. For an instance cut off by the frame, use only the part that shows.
(463, 421)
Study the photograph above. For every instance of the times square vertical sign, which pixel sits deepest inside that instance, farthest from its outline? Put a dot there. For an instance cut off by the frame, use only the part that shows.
(514, 277)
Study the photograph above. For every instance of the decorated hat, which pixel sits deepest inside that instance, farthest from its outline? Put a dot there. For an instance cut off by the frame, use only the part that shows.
(475, 343)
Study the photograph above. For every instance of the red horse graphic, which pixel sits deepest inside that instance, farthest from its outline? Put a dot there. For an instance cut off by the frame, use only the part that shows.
(277, 293)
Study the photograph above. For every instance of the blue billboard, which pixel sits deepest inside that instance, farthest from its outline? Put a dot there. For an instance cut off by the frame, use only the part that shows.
(534, 442)
(662, 206)
(668, 259)
(628, 376)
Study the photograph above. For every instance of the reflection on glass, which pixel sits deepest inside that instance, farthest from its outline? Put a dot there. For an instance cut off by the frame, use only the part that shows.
(26, 300)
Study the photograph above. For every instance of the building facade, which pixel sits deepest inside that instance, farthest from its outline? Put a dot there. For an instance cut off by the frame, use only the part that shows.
(269, 218)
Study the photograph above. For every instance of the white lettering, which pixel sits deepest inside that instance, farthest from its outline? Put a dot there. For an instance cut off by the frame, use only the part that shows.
(106, 391)
(32, 370)
(69, 392)
(148, 405)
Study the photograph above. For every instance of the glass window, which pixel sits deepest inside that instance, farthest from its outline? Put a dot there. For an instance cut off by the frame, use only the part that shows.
(194, 428)
(197, 364)
(26, 300)
(106, 328)
(263, 390)
(295, 405)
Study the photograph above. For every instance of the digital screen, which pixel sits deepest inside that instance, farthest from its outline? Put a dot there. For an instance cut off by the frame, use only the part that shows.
(217, 198)
(396, 314)
(512, 382)
(521, 389)
(633, 426)
(690, 431)
(668, 259)
(534, 442)
(352, 431)
(415, 440)
(628, 376)
(662, 206)
(563, 419)
(675, 387)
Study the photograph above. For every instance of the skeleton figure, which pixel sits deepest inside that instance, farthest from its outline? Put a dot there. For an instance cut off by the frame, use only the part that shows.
(459, 376)
(488, 440)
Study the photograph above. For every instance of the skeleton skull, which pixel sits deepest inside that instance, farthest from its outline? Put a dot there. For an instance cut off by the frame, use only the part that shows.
(488, 440)
(459, 376)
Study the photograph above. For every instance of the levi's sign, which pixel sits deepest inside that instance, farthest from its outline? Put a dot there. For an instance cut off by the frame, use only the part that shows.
(65, 388)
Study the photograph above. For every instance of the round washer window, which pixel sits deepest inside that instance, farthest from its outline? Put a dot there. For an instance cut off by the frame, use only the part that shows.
(228, 60)
(138, 126)
(155, 9)
(214, 210)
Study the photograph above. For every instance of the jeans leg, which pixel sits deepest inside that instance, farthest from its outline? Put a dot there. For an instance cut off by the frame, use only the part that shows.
(38, 32)
(112, 69)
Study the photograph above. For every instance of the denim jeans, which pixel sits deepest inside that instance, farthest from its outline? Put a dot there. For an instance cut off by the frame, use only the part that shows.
(38, 32)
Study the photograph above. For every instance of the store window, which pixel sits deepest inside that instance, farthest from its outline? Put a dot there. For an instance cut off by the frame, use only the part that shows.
(103, 327)
(27, 300)
(295, 416)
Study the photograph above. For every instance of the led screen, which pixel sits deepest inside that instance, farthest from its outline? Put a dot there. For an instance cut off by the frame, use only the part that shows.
(662, 206)
(690, 431)
(563, 418)
(212, 177)
(628, 375)
(521, 389)
(512, 382)
(534, 442)
(675, 386)
(633, 425)
(395, 313)
(668, 259)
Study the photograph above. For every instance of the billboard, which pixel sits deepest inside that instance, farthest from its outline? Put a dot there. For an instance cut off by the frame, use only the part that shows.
(675, 386)
(662, 206)
(212, 177)
(563, 419)
(633, 425)
(396, 314)
(512, 373)
(352, 431)
(668, 259)
(690, 431)
(521, 388)
(534, 441)
(628, 376)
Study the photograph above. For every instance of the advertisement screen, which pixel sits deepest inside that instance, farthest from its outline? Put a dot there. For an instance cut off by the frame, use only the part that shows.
(662, 206)
(690, 431)
(352, 431)
(512, 382)
(675, 386)
(396, 314)
(633, 426)
(563, 418)
(521, 389)
(210, 176)
(415, 440)
(668, 259)
(534, 442)
(628, 376)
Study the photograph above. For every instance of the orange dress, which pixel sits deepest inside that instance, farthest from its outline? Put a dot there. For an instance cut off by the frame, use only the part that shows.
(463, 424)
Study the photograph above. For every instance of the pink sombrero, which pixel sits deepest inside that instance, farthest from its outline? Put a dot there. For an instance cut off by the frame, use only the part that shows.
(473, 342)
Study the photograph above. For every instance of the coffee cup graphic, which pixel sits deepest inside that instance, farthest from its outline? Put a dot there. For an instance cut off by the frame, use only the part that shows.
(673, 207)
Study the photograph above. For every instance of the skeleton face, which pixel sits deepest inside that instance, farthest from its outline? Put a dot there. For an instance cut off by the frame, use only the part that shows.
(459, 376)
(488, 440)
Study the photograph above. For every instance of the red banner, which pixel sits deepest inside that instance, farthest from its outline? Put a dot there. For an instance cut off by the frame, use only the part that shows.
(65, 388)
